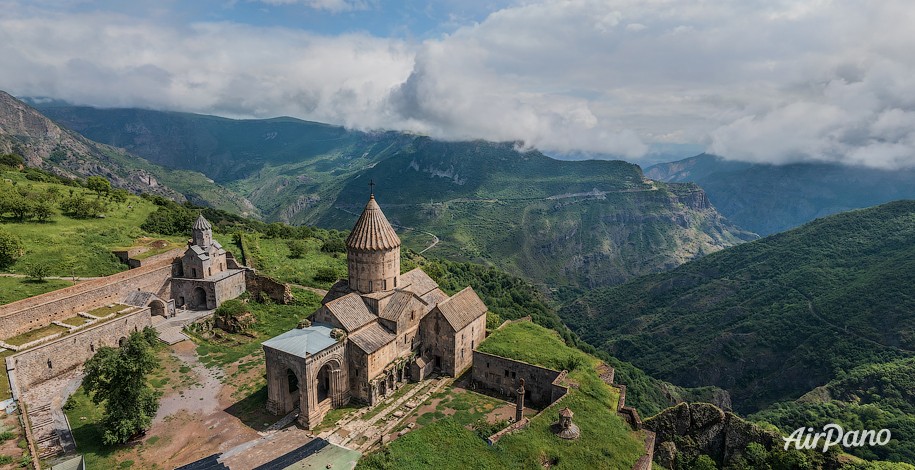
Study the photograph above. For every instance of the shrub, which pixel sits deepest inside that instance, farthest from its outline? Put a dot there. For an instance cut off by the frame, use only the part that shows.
(297, 248)
(10, 248)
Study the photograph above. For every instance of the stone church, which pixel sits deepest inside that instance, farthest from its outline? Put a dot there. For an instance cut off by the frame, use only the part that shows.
(206, 276)
(374, 330)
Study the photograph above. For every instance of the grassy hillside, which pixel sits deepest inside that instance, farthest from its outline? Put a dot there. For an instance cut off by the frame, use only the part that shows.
(606, 441)
(772, 319)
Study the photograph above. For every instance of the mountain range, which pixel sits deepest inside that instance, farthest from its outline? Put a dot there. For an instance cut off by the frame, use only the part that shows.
(578, 223)
(772, 319)
(767, 199)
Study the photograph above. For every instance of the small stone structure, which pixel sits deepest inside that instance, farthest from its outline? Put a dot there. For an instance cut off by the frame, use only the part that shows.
(565, 428)
(542, 386)
(392, 327)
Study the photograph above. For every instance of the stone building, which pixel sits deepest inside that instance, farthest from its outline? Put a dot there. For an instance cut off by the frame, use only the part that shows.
(374, 330)
(204, 277)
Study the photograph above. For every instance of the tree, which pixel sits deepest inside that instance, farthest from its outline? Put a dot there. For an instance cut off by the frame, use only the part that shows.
(11, 160)
(98, 184)
(297, 248)
(117, 377)
(10, 248)
(42, 211)
(38, 270)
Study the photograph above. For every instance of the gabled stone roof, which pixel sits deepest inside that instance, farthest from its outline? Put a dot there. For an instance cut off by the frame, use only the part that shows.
(400, 302)
(417, 281)
(372, 231)
(351, 311)
(202, 223)
(301, 342)
(462, 308)
(372, 338)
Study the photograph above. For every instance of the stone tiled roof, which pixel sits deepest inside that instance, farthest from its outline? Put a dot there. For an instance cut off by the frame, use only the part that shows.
(372, 231)
(417, 281)
(400, 302)
(351, 311)
(433, 297)
(372, 338)
(462, 308)
(339, 289)
(202, 223)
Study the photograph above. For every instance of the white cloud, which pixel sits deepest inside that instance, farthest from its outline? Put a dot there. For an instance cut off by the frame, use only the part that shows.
(335, 6)
(765, 81)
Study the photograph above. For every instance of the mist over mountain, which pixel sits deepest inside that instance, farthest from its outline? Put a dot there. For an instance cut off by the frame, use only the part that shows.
(768, 199)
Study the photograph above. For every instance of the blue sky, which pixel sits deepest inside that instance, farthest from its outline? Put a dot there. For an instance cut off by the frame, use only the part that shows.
(772, 81)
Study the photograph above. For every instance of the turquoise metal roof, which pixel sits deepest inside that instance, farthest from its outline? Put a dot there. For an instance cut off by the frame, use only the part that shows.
(303, 341)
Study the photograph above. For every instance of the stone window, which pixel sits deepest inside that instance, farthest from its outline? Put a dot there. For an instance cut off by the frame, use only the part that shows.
(385, 285)
(49, 364)
(506, 372)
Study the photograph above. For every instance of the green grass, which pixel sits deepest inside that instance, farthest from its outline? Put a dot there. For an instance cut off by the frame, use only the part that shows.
(33, 335)
(271, 257)
(17, 288)
(105, 311)
(531, 343)
(75, 321)
(4, 379)
(446, 442)
(272, 319)
(80, 247)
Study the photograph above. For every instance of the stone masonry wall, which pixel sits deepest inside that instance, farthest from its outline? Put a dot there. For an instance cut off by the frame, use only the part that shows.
(501, 374)
(277, 291)
(51, 359)
(27, 314)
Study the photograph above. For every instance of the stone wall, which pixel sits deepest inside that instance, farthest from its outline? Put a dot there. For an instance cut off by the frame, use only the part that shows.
(275, 290)
(502, 375)
(465, 341)
(35, 312)
(227, 286)
(52, 359)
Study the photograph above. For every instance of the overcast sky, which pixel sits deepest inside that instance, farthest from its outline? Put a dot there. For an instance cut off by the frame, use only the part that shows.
(770, 81)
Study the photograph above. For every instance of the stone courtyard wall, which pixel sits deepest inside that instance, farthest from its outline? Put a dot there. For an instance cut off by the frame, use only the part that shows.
(38, 311)
(275, 290)
(32, 366)
(501, 374)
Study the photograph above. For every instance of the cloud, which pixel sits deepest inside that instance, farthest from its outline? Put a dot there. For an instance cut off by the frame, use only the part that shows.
(335, 6)
(765, 81)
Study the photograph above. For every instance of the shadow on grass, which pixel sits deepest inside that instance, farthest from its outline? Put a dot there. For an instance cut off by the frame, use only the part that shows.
(252, 410)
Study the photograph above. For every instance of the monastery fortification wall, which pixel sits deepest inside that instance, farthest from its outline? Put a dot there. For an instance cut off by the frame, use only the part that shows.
(27, 314)
(54, 358)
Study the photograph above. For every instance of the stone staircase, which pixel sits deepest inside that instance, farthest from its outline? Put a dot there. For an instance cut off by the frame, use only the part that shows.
(47, 436)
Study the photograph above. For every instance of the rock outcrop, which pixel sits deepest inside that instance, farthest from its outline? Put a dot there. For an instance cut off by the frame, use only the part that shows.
(690, 429)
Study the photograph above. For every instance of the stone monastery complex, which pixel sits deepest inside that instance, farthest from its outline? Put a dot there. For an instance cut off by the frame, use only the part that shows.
(373, 331)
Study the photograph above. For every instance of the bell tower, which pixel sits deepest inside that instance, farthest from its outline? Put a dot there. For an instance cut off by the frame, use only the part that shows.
(203, 232)
(373, 252)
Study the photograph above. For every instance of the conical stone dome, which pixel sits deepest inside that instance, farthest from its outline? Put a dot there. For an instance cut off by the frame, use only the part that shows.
(373, 252)
(372, 231)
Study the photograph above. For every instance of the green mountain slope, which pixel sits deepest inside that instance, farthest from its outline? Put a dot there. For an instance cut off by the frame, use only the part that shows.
(583, 223)
(45, 144)
(772, 319)
(874, 396)
(768, 199)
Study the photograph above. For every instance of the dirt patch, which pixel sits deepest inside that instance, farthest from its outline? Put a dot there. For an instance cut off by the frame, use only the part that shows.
(10, 447)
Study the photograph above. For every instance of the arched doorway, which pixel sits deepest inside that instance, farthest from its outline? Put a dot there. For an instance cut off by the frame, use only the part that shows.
(157, 307)
(292, 380)
(200, 298)
(324, 385)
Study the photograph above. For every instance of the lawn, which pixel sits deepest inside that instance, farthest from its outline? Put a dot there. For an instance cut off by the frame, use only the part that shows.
(102, 312)
(75, 321)
(221, 349)
(33, 335)
(80, 247)
(271, 257)
(17, 288)
(446, 441)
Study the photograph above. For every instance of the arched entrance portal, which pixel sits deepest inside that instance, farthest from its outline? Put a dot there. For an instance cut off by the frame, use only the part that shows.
(324, 383)
(200, 298)
(157, 307)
